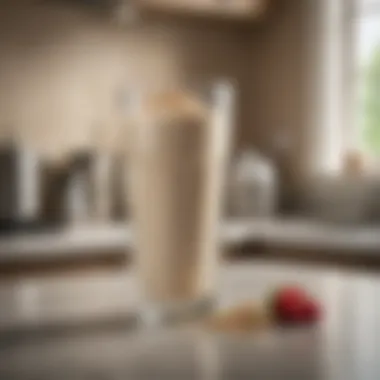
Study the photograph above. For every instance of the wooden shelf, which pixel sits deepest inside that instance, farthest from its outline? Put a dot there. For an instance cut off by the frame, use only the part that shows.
(225, 9)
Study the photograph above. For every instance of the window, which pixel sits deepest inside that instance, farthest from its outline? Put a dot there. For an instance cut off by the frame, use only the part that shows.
(345, 113)
(366, 50)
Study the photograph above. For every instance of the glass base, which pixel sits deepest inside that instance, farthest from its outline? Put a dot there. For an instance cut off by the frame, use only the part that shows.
(162, 314)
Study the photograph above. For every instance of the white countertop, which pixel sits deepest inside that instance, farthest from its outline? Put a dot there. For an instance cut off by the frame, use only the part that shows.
(303, 233)
(89, 240)
(343, 346)
(83, 240)
(295, 233)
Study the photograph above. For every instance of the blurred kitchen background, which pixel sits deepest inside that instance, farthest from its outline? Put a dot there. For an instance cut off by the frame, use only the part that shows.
(303, 175)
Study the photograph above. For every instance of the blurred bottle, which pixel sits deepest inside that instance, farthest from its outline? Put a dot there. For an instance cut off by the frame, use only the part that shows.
(101, 187)
(120, 195)
(253, 188)
(79, 192)
(86, 188)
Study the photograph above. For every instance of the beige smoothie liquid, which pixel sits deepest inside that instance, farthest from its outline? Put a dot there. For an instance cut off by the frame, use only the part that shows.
(178, 151)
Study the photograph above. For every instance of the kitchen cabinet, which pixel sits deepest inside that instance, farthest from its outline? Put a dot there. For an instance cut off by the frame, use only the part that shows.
(239, 9)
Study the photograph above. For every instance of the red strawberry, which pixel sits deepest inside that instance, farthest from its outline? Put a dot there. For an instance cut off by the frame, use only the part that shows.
(293, 305)
(292, 295)
(289, 304)
(312, 311)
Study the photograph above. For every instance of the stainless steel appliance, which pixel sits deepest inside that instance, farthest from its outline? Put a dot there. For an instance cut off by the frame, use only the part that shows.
(20, 180)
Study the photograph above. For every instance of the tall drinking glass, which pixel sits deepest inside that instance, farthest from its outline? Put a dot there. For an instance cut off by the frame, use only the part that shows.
(179, 144)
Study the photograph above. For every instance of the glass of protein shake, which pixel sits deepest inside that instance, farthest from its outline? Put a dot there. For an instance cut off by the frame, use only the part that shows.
(179, 144)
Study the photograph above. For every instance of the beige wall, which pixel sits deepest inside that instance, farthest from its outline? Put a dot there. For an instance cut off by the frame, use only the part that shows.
(278, 92)
(61, 71)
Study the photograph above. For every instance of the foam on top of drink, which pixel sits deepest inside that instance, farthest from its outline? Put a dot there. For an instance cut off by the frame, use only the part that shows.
(176, 107)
